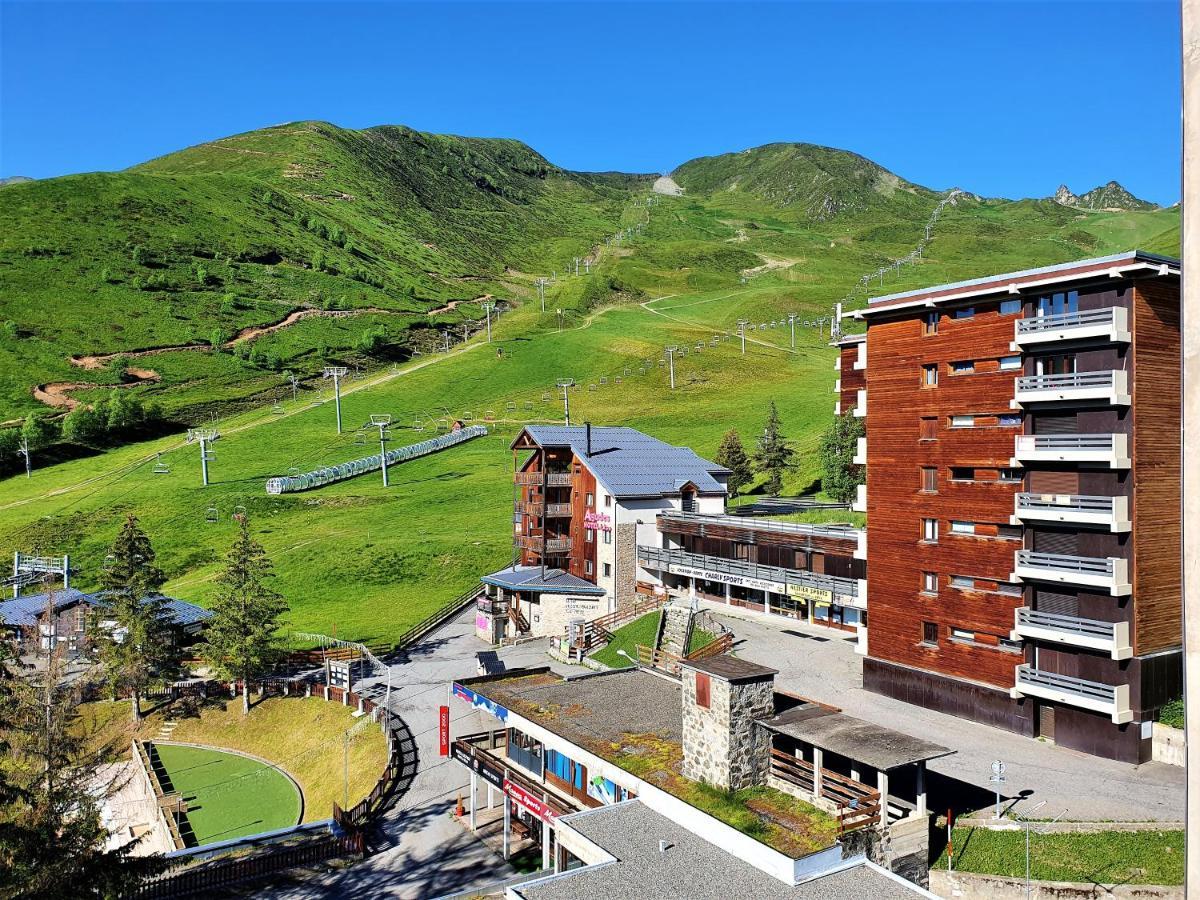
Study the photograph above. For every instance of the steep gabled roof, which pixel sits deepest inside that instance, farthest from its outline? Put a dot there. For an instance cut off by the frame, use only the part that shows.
(25, 611)
(628, 463)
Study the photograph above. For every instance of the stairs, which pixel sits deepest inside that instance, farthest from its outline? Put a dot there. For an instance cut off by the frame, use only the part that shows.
(165, 731)
(675, 630)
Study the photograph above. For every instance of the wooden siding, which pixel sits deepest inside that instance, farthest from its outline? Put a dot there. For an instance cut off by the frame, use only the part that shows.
(852, 379)
(583, 482)
(1156, 389)
(897, 349)
(761, 537)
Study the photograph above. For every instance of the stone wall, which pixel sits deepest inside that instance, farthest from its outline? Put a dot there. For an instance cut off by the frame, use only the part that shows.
(723, 744)
(625, 569)
(1169, 745)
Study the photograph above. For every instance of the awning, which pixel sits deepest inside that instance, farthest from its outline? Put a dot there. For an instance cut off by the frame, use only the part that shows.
(865, 742)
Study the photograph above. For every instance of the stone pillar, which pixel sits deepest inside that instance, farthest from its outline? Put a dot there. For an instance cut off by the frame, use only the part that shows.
(723, 743)
(625, 564)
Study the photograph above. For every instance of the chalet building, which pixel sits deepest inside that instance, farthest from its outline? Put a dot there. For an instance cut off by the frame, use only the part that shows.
(584, 498)
(814, 573)
(1022, 457)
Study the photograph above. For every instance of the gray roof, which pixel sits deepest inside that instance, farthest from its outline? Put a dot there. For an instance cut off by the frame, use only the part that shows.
(631, 464)
(731, 668)
(691, 868)
(25, 611)
(880, 748)
(530, 578)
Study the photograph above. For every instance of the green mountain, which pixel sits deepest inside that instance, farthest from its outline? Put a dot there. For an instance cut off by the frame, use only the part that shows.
(1111, 197)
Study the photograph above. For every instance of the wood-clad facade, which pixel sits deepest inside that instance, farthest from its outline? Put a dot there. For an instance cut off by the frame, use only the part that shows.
(1022, 498)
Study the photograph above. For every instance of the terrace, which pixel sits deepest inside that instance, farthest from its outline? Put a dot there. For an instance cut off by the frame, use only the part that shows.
(1111, 387)
(1109, 573)
(1111, 450)
(1110, 637)
(1112, 700)
(1079, 509)
(1111, 324)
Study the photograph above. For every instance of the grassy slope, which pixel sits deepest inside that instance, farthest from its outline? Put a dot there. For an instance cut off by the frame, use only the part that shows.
(428, 218)
(641, 631)
(369, 562)
(228, 796)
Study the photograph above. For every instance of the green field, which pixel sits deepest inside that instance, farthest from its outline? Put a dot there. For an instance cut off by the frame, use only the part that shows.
(641, 631)
(364, 562)
(228, 795)
(1107, 857)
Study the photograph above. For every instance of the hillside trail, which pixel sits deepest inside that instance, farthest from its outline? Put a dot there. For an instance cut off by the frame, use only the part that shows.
(57, 393)
(706, 327)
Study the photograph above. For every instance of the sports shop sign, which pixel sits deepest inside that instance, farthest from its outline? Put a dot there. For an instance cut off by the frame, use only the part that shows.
(760, 584)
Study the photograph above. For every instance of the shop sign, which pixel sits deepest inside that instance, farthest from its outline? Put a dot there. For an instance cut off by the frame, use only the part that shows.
(597, 521)
(817, 595)
(757, 584)
(443, 731)
(528, 801)
(494, 777)
(478, 701)
(460, 753)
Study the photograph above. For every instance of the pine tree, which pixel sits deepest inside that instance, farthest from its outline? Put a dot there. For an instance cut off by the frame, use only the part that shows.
(773, 455)
(841, 477)
(732, 455)
(53, 842)
(133, 623)
(241, 639)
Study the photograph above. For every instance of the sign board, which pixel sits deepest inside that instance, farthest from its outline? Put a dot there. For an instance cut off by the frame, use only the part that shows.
(494, 777)
(817, 595)
(443, 731)
(757, 584)
(528, 801)
(597, 521)
(478, 701)
(462, 755)
(582, 606)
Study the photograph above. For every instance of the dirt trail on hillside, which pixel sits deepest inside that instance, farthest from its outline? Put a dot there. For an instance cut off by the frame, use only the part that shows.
(455, 304)
(57, 393)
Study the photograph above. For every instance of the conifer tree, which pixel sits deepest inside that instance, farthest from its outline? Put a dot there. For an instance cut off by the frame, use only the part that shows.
(133, 623)
(241, 639)
(732, 455)
(773, 455)
(841, 476)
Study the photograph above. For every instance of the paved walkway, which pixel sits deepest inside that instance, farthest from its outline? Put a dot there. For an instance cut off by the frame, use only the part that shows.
(821, 663)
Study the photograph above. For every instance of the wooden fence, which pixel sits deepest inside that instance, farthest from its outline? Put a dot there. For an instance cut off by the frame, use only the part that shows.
(671, 663)
(857, 804)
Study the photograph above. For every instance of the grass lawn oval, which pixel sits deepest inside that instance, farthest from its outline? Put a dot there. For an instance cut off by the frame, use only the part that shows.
(228, 794)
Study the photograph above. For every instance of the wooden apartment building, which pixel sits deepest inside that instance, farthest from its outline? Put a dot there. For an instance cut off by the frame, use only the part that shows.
(1022, 457)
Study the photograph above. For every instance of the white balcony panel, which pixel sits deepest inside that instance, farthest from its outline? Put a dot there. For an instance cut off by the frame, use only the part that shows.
(860, 361)
(1111, 700)
(860, 452)
(1079, 509)
(1108, 637)
(860, 408)
(1107, 573)
(1111, 387)
(1110, 325)
(860, 499)
(1111, 450)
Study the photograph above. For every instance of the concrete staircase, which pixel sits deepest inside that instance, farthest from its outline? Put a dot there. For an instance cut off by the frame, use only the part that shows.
(674, 629)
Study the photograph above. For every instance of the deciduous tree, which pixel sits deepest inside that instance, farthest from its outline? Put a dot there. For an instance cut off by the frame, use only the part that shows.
(840, 475)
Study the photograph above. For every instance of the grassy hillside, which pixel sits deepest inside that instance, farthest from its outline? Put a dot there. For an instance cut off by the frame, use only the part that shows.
(368, 562)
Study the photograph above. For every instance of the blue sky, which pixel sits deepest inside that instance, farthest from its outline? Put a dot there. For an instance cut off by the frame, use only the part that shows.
(1006, 99)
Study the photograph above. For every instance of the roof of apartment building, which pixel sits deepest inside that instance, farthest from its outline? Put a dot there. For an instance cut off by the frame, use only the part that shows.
(1117, 265)
(628, 463)
(25, 611)
(535, 578)
(656, 857)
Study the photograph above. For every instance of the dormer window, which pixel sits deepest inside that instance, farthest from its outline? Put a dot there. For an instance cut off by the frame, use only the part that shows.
(689, 501)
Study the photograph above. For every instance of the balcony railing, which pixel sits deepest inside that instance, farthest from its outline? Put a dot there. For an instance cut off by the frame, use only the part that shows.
(548, 546)
(1110, 637)
(1111, 386)
(860, 499)
(1107, 512)
(698, 521)
(553, 479)
(860, 452)
(1110, 449)
(844, 591)
(549, 510)
(860, 406)
(1110, 573)
(1111, 324)
(1112, 700)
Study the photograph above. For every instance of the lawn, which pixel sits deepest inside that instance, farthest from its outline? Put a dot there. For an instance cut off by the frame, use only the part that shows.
(1108, 857)
(228, 796)
(641, 631)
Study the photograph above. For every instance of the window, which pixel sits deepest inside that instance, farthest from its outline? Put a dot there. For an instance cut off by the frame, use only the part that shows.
(608, 500)
(1062, 364)
(930, 325)
(588, 567)
(703, 692)
(1010, 362)
(962, 582)
(965, 313)
(1059, 304)
(929, 633)
(929, 582)
(1010, 307)
(589, 535)
(1010, 475)
(962, 473)
(1011, 590)
(1010, 645)
(929, 480)
(962, 367)
(961, 634)
(607, 537)
(1009, 532)
(1009, 419)
(591, 499)
(929, 530)
(958, 527)
(929, 428)
(962, 421)
(608, 570)
(929, 375)
(741, 551)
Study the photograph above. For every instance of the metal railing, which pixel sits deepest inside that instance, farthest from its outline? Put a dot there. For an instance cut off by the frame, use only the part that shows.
(1065, 442)
(1093, 691)
(1087, 628)
(1066, 382)
(1059, 321)
(660, 558)
(1096, 567)
(1054, 503)
(549, 510)
(801, 529)
(543, 545)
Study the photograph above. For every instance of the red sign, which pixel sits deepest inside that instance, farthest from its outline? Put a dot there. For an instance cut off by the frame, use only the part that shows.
(444, 730)
(529, 801)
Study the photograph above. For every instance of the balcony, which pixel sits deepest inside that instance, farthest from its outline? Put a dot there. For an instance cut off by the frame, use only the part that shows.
(1111, 450)
(554, 546)
(549, 510)
(1111, 387)
(837, 386)
(860, 406)
(860, 360)
(1104, 512)
(1108, 637)
(860, 452)
(1112, 700)
(1110, 573)
(1111, 325)
(860, 499)
(553, 479)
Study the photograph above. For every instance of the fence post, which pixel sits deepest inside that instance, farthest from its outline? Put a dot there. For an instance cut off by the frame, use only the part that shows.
(233, 689)
(326, 692)
(360, 706)
(308, 689)
(345, 696)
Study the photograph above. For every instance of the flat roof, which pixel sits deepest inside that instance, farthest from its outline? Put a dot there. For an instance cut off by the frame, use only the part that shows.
(878, 747)
(1012, 282)
(731, 668)
(530, 578)
(592, 711)
(762, 523)
(690, 868)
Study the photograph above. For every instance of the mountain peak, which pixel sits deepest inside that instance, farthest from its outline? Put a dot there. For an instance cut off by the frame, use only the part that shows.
(1110, 197)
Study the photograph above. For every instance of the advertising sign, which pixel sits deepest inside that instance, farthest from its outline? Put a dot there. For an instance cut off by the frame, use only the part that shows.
(727, 578)
(444, 730)
(597, 521)
(528, 801)
(494, 777)
(817, 595)
(479, 702)
(462, 755)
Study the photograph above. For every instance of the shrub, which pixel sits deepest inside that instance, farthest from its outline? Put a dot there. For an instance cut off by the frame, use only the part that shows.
(1172, 713)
